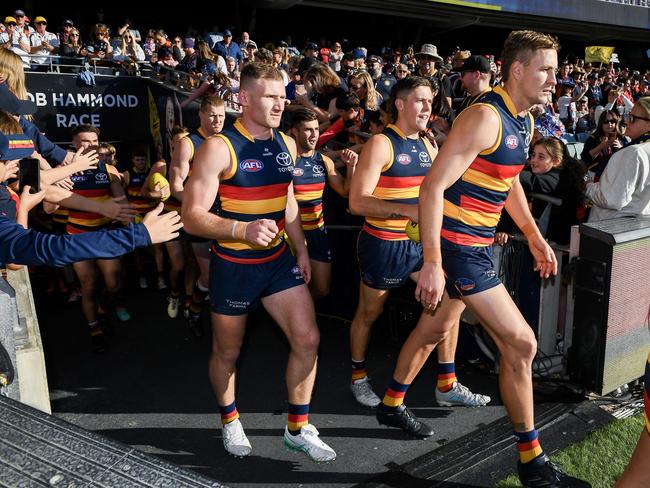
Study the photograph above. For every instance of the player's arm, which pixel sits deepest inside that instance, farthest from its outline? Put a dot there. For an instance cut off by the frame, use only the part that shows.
(211, 163)
(179, 167)
(474, 131)
(117, 209)
(339, 183)
(517, 207)
(374, 156)
(117, 182)
(155, 193)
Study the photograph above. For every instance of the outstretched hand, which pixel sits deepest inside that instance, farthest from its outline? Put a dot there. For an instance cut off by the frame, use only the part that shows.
(162, 228)
(545, 260)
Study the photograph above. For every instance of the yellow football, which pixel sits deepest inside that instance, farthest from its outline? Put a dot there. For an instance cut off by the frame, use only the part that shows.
(413, 231)
(158, 179)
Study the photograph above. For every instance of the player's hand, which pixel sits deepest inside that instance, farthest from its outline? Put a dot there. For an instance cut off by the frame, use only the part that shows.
(545, 260)
(119, 209)
(305, 266)
(160, 193)
(431, 286)
(501, 238)
(350, 158)
(261, 232)
(162, 228)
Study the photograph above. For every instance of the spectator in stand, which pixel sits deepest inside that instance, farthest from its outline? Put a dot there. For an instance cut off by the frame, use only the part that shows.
(207, 62)
(474, 79)
(251, 52)
(383, 81)
(231, 69)
(42, 43)
(166, 59)
(594, 93)
(335, 57)
(323, 87)
(71, 47)
(190, 60)
(14, 39)
(566, 104)
(585, 124)
(554, 173)
(311, 51)
(457, 61)
(547, 123)
(129, 49)
(98, 47)
(128, 25)
(64, 33)
(401, 71)
(281, 58)
(361, 84)
(245, 38)
(22, 22)
(149, 46)
(177, 49)
(624, 187)
(427, 57)
(606, 140)
(227, 48)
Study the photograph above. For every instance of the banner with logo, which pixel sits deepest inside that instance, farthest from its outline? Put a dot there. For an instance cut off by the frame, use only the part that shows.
(598, 54)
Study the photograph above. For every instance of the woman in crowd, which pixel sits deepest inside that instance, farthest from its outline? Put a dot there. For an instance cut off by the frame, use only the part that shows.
(98, 47)
(128, 49)
(208, 63)
(72, 46)
(624, 187)
(362, 85)
(323, 86)
(603, 142)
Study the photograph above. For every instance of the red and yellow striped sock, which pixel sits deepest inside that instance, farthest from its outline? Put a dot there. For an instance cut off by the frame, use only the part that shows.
(446, 376)
(358, 370)
(228, 413)
(298, 416)
(528, 446)
(394, 396)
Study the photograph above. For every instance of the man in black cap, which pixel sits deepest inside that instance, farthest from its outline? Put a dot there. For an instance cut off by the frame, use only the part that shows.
(227, 48)
(311, 51)
(383, 81)
(64, 33)
(475, 79)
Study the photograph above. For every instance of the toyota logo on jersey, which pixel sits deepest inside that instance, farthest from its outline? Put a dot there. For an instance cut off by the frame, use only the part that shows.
(283, 159)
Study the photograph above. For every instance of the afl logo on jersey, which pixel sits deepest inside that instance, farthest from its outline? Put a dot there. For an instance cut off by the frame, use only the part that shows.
(298, 172)
(283, 159)
(512, 142)
(251, 165)
(403, 159)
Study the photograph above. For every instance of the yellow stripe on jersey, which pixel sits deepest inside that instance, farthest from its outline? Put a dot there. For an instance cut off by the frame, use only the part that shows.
(387, 193)
(470, 217)
(389, 224)
(484, 181)
(254, 206)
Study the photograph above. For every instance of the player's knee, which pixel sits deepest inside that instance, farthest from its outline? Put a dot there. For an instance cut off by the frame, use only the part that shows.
(522, 349)
(320, 290)
(438, 336)
(306, 342)
(226, 354)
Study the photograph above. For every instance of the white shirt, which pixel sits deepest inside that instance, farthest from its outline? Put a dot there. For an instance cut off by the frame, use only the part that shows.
(17, 41)
(36, 39)
(624, 186)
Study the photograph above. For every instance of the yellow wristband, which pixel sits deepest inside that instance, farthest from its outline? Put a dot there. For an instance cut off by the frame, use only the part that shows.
(432, 255)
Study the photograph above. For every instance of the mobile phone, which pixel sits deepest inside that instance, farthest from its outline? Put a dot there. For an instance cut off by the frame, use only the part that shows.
(30, 174)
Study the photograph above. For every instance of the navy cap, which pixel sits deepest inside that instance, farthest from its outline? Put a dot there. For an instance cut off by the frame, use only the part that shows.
(375, 59)
(227, 33)
(18, 146)
(312, 45)
(12, 104)
(476, 63)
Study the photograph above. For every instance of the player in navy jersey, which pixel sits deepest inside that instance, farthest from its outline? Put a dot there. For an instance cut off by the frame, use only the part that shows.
(248, 171)
(312, 170)
(475, 176)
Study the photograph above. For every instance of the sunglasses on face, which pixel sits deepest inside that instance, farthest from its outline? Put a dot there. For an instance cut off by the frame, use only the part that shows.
(41, 23)
(610, 122)
(11, 24)
(427, 58)
(74, 35)
(633, 118)
(402, 71)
